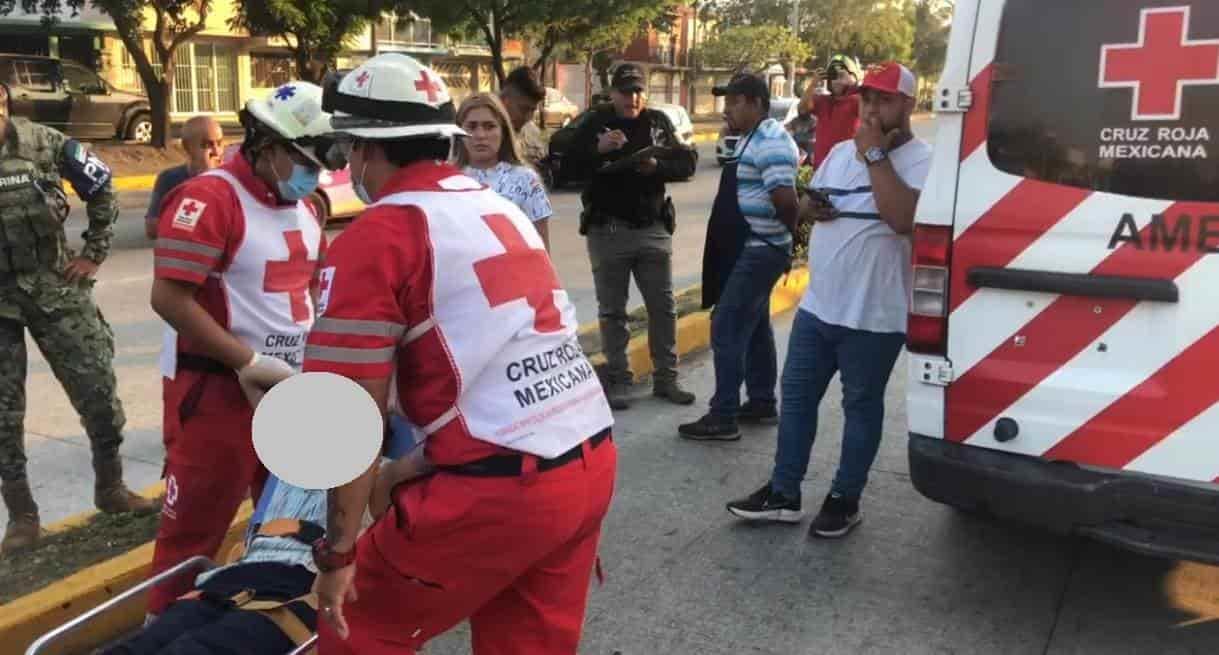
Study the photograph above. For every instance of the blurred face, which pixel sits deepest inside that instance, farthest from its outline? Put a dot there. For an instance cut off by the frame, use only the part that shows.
(486, 136)
(629, 103)
(742, 113)
(892, 109)
(205, 146)
(521, 108)
(842, 83)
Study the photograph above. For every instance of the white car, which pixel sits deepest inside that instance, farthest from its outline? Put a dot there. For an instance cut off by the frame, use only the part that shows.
(680, 119)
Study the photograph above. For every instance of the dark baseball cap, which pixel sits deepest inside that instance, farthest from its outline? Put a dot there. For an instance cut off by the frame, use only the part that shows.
(744, 84)
(628, 77)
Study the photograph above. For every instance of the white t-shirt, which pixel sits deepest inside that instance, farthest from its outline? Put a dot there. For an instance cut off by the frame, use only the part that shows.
(518, 183)
(860, 268)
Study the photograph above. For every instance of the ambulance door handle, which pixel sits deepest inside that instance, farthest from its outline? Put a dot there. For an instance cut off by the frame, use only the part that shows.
(1075, 284)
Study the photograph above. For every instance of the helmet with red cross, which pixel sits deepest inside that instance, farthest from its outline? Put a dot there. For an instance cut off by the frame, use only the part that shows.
(389, 97)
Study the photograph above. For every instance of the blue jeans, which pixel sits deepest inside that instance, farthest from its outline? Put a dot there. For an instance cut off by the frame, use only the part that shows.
(816, 351)
(742, 339)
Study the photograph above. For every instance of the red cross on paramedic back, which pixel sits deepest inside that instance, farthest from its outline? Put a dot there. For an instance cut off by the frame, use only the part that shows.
(445, 287)
(1160, 64)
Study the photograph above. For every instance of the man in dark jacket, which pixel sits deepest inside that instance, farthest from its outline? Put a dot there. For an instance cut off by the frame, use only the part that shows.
(629, 223)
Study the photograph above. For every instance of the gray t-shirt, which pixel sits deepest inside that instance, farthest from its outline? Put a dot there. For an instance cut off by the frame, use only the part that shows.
(166, 181)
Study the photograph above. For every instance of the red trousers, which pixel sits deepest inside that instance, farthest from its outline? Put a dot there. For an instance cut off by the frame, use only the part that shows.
(513, 555)
(210, 467)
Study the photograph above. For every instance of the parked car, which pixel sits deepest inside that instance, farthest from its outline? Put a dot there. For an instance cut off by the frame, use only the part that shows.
(334, 196)
(552, 167)
(781, 109)
(557, 110)
(680, 119)
(71, 98)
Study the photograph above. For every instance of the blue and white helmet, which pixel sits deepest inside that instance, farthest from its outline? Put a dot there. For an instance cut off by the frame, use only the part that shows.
(293, 112)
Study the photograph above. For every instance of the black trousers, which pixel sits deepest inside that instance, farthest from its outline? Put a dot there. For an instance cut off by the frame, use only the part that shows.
(207, 627)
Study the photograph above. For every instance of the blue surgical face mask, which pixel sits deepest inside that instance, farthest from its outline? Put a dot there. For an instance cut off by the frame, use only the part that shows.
(357, 186)
(302, 182)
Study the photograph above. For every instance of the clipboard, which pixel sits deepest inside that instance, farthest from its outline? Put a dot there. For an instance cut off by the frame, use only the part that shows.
(632, 160)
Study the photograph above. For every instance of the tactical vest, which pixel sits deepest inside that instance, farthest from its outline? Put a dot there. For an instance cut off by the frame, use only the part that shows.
(31, 231)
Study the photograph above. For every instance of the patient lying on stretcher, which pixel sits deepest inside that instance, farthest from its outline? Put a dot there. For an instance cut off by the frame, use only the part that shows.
(262, 604)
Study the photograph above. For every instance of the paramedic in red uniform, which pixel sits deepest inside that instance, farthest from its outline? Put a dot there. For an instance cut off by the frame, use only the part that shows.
(237, 253)
(443, 304)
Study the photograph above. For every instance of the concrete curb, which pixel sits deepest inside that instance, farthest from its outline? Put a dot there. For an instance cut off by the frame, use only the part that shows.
(29, 617)
(694, 330)
(125, 183)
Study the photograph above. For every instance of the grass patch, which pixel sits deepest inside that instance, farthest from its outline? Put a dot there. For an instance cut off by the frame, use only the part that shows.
(60, 555)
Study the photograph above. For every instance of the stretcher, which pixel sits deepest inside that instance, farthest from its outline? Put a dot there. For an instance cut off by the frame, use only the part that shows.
(39, 647)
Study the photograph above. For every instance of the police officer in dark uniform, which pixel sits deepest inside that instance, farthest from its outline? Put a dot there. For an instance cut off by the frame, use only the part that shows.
(46, 288)
(629, 222)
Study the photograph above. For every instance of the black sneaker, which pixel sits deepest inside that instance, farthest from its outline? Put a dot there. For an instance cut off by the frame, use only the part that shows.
(710, 428)
(753, 413)
(837, 517)
(766, 505)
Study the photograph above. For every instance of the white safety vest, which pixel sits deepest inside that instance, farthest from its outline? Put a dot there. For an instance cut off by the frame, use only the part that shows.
(525, 383)
(266, 284)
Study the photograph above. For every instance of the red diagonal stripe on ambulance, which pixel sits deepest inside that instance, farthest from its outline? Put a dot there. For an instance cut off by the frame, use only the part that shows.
(1009, 227)
(1057, 334)
(1148, 413)
(974, 133)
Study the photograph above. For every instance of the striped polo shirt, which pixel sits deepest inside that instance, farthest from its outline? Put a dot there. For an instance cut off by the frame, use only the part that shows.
(768, 162)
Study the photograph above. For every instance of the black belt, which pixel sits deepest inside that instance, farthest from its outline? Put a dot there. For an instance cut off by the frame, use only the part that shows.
(501, 466)
(202, 364)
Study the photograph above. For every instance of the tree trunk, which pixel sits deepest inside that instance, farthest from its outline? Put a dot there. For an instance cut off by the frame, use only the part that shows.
(158, 102)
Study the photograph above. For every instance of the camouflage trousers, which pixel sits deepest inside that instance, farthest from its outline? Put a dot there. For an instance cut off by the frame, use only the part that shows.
(78, 344)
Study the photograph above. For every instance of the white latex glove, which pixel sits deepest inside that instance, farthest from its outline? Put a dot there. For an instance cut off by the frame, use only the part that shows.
(260, 374)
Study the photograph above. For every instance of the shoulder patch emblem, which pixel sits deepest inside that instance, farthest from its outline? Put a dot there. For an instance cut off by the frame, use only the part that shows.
(188, 214)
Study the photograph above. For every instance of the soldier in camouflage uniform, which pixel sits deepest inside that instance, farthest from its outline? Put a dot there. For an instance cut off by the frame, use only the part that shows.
(46, 288)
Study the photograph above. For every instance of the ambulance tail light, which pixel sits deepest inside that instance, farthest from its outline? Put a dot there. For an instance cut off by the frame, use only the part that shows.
(927, 329)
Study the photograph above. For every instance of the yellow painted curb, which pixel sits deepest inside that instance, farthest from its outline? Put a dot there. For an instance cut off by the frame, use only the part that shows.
(72, 522)
(125, 183)
(694, 330)
(29, 617)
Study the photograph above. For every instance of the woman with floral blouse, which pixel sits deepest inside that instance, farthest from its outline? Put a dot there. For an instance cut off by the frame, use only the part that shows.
(491, 155)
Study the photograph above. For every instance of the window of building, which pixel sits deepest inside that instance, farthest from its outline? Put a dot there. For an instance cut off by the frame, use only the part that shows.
(404, 29)
(271, 69)
(205, 77)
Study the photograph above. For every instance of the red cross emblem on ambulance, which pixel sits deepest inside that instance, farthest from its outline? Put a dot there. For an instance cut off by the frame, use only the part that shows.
(1160, 64)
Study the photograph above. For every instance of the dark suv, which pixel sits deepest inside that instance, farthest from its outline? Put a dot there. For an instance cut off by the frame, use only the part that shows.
(71, 98)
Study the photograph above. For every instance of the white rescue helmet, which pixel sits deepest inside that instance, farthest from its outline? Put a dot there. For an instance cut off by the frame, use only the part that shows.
(293, 113)
(392, 96)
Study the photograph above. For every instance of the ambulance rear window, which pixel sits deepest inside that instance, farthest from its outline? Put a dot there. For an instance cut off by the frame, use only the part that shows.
(1123, 99)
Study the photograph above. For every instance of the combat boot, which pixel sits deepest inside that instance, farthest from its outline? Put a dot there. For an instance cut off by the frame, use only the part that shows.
(671, 391)
(23, 529)
(111, 495)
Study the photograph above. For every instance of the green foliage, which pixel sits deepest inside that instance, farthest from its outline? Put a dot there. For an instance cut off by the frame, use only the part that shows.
(175, 21)
(753, 47)
(316, 30)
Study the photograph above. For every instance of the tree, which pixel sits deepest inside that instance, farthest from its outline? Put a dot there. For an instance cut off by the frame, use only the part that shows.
(315, 30)
(174, 21)
(932, 22)
(589, 26)
(753, 47)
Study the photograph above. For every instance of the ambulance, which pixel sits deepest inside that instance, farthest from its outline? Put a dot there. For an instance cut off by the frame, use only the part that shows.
(1064, 322)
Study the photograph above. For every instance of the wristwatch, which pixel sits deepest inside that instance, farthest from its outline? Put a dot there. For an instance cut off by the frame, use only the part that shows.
(328, 559)
(875, 155)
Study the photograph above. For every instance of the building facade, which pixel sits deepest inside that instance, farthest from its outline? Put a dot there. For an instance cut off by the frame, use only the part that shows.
(219, 69)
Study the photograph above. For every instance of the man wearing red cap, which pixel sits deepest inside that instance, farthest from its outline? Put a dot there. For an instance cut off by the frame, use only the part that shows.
(852, 319)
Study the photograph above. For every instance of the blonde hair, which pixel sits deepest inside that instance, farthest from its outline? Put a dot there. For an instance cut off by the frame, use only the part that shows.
(509, 149)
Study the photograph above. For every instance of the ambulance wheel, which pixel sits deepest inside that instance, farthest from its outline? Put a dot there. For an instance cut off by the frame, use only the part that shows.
(317, 202)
